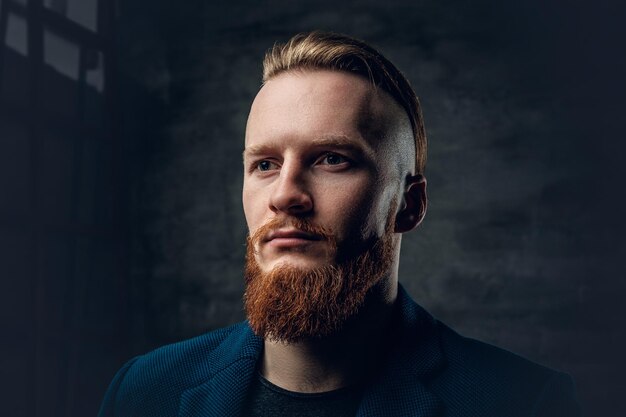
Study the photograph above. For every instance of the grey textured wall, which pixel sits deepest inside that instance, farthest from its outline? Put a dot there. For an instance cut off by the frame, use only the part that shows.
(522, 245)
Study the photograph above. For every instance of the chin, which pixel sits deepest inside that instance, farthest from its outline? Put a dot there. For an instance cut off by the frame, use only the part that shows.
(304, 263)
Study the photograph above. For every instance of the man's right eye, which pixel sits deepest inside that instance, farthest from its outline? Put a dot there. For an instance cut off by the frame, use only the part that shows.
(266, 165)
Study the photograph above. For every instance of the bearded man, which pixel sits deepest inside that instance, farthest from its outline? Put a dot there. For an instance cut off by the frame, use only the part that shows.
(334, 161)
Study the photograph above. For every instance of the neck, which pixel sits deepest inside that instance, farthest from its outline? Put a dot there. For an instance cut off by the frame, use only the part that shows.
(340, 360)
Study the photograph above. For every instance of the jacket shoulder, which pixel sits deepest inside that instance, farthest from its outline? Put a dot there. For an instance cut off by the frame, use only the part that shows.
(155, 381)
(472, 356)
(488, 376)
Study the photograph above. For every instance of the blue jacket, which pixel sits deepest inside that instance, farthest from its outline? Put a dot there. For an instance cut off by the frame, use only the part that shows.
(430, 371)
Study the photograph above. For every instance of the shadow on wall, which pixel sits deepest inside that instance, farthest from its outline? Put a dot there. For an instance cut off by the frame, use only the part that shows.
(63, 207)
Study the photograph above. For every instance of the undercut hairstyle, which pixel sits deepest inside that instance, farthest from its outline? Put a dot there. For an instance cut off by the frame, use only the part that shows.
(332, 51)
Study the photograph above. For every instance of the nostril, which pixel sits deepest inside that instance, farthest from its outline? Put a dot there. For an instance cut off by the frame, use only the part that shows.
(291, 204)
(290, 201)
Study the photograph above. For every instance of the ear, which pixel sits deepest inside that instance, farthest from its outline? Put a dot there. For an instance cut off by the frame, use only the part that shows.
(414, 204)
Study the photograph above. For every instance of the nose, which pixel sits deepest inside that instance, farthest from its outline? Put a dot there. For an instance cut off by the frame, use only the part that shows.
(291, 195)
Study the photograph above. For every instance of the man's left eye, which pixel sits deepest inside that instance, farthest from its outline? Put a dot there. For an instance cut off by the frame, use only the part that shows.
(333, 159)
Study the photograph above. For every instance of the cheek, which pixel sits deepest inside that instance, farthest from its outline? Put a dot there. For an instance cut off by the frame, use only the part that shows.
(252, 204)
(389, 200)
(367, 214)
(348, 207)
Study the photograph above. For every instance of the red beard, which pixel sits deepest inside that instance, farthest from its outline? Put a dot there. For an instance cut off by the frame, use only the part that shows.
(291, 304)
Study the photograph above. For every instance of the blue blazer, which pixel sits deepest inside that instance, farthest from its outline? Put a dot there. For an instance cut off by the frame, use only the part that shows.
(430, 371)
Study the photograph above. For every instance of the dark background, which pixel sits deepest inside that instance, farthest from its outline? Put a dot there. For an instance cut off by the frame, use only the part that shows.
(121, 131)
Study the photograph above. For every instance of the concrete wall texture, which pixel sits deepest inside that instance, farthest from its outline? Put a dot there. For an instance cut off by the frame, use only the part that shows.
(522, 245)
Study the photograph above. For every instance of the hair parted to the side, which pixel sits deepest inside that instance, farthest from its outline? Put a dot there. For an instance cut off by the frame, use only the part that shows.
(333, 51)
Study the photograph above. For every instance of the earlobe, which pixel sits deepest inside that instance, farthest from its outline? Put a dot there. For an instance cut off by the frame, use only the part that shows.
(414, 204)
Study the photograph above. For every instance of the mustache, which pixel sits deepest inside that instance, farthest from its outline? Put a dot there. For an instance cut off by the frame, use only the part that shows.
(300, 224)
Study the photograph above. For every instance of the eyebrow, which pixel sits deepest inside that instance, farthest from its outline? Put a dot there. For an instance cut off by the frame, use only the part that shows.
(332, 141)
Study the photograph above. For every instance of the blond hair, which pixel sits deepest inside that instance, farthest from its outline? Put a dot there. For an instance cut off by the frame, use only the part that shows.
(325, 50)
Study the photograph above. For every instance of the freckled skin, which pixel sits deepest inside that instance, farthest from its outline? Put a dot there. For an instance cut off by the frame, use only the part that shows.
(350, 195)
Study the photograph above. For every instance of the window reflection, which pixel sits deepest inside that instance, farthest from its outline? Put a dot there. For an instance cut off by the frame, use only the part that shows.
(59, 87)
(59, 6)
(17, 34)
(61, 54)
(83, 12)
(59, 175)
(14, 74)
(93, 100)
(95, 70)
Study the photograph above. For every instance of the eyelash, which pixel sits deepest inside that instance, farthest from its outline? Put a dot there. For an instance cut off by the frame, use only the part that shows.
(256, 165)
(344, 159)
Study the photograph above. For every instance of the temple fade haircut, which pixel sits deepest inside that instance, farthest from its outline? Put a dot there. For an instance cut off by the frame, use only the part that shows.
(333, 51)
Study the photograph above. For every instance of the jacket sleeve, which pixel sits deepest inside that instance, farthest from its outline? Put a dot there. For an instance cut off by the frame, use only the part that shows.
(558, 398)
(108, 408)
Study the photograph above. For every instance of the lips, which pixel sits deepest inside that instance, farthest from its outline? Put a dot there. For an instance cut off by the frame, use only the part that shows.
(291, 235)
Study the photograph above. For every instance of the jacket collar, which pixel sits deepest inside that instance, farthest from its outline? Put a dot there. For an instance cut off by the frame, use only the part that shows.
(415, 357)
(400, 388)
(232, 366)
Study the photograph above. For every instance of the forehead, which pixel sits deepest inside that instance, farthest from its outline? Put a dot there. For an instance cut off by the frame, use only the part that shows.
(309, 105)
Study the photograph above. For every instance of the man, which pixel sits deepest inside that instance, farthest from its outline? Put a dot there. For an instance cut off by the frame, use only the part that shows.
(333, 176)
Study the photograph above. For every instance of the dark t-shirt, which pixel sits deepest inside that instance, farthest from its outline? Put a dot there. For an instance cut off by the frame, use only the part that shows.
(268, 400)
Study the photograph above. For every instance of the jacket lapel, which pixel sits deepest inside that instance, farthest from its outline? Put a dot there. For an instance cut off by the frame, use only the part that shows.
(232, 367)
(416, 356)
